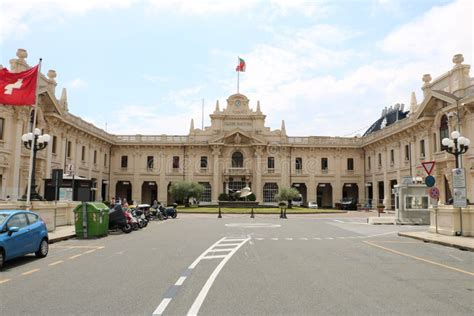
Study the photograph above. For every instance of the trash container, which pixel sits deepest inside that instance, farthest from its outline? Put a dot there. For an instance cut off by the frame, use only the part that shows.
(97, 220)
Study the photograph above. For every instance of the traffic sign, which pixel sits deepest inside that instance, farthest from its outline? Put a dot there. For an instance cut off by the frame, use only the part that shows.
(430, 181)
(434, 193)
(428, 165)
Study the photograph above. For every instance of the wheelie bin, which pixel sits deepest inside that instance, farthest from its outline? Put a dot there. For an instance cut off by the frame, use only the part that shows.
(96, 221)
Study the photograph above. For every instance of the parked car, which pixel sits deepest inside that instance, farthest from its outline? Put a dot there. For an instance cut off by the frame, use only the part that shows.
(22, 232)
(297, 201)
(312, 204)
(349, 203)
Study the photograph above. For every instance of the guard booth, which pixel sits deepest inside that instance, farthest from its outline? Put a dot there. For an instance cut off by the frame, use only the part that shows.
(411, 203)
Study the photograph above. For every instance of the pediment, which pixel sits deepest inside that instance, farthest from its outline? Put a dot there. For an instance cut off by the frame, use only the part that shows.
(237, 137)
(49, 103)
(433, 103)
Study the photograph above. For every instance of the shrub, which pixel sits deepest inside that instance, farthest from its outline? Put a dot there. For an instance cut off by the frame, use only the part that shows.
(223, 197)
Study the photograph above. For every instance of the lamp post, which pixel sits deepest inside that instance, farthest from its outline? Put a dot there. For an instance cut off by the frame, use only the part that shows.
(37, 142)
(456, 146)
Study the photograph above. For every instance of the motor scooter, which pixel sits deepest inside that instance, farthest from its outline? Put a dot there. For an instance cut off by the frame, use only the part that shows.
(118, 219)
(169, 211)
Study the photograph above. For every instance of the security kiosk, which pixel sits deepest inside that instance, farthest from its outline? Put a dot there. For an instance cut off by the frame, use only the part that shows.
(411, 203)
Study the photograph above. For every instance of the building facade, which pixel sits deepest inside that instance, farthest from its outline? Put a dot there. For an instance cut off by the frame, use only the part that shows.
(239, 150)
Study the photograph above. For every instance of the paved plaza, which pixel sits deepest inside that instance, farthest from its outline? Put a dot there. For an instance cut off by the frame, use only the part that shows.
(333, 264)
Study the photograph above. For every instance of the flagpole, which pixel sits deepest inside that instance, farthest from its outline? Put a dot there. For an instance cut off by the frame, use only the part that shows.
(238, 73)
(33, 144)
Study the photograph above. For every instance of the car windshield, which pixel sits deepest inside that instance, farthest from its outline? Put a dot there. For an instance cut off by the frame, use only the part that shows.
(3, 216)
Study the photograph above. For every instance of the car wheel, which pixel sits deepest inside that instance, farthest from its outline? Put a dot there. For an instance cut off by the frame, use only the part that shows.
(2, 258)
(43, 249)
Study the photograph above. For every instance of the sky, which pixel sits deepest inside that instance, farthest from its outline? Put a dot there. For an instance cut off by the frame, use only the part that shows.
(327, 68)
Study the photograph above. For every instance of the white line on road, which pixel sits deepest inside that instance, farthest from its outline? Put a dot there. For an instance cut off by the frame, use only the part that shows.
(161, 308)
(180, 281)
(30, 272)
(202, 295)
(215, 257)
(55, 263)
(336, 220)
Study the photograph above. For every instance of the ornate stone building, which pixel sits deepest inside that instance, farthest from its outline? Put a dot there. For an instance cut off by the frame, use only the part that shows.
(238, 149)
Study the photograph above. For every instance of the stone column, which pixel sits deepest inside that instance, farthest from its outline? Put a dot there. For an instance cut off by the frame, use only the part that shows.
(216, 152)
(16, 155)
(258, 189)
(337, 190)
(163, 184)
(137, 186)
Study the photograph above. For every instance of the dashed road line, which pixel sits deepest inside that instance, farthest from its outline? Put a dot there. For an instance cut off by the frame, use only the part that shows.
(75, 256)
(30, 272)
(90, 251)
(55, 263)
(5, 281)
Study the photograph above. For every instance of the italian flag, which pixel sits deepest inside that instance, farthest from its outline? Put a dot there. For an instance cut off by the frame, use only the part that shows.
(241, 65)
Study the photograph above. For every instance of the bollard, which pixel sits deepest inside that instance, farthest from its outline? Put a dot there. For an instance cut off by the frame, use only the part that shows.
(251, 214)
(220, 214)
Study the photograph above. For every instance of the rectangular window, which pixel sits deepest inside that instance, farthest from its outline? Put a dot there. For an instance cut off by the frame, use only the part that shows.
(407, 152)
(203, 162)
(271, 163)
(53, 145)
(68, 150)
(83, 153)
(2, 128)
(175, 162)
(380, 160)
(149, 162)
(105, 160)
(392, 156)
(369, 162)
(299, 164)
(422, 148)
(350, 164)
(324, 163)
(124, 163)
(95, 157)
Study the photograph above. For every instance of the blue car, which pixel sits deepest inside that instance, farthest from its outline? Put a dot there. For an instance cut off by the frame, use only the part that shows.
(22, 232)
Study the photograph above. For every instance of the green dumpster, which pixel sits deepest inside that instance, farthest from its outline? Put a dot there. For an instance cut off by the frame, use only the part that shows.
(96, 223)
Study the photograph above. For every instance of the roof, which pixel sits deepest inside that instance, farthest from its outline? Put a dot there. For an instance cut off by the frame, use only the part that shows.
(390, 117)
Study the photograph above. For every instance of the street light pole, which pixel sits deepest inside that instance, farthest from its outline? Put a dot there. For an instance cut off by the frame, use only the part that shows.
(36, 142)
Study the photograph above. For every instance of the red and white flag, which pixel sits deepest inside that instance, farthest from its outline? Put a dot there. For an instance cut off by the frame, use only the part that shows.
(18, 88)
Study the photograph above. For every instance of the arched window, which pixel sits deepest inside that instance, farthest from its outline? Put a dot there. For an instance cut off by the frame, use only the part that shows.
(443, 130)
(237, 160)
(269, 192)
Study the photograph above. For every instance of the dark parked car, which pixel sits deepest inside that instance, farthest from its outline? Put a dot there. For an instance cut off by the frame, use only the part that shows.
(349, 204)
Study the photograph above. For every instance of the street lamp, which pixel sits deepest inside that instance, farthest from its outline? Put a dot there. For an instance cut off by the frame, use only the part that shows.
(37, 142)
(452, 145)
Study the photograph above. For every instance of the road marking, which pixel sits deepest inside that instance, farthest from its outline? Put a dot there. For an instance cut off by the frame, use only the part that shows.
(215, 257)
(274, 238)
(55, 263)
(253, 225)
(336, 220)
(289, 238)
(74, 257)
(317, 238)
(303, 238)
(30, 272)
(180, 281)
(161, 308)
(330, 238)
(5, 281)
(203, 293)
(420, 259)
(259, 238)
(90, 251)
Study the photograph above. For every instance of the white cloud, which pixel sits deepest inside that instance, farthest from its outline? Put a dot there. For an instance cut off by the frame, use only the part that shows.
(77, 83)
(16, 16)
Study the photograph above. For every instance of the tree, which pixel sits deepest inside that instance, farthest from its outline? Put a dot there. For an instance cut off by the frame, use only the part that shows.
(184, 190)
(286, 194)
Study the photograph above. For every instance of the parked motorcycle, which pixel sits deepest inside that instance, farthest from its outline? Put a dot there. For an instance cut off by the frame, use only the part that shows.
(118, 219)
(139, 215)
(169, 211)
(131, 219)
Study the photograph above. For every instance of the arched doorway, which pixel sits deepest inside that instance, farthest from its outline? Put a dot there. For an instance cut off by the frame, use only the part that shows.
(123, 189)
(301, 187)
(149, 192)
(350, 190)
(324, 195)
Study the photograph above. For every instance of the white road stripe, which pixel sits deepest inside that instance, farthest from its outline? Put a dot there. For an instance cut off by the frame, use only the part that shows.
(215, 257)
(223, 245)
(180, 281)
(317, 238)
(194, 264)
(289, 238)
(274, 238)
(203, 293)
(220, 250)
(161, 308)
(336, 220)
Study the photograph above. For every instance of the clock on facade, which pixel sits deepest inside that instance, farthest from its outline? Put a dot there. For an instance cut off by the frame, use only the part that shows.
(237, 103)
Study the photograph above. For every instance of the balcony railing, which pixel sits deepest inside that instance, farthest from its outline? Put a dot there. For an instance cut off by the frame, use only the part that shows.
(237, 172)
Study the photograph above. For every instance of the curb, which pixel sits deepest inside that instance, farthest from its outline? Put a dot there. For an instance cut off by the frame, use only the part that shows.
(439, 242)
(57, 239)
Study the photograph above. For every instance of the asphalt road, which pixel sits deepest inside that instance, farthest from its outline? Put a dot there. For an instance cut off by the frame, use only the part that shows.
(198, 264)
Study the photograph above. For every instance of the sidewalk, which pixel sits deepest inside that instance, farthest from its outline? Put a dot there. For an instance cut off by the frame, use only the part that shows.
(62, 233)
(463, 243)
